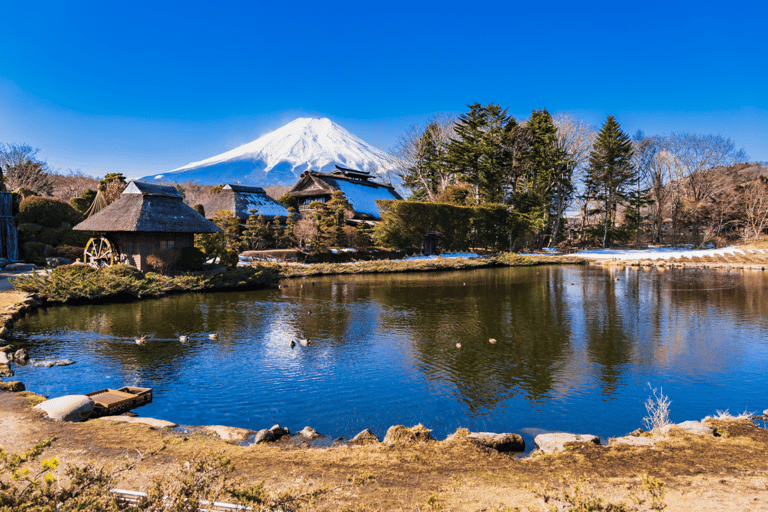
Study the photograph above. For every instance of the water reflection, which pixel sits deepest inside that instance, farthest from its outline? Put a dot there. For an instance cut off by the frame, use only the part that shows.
(576, 348)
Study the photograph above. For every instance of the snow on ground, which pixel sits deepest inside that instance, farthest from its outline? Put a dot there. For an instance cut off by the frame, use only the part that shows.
(655, 253)
(446, 255)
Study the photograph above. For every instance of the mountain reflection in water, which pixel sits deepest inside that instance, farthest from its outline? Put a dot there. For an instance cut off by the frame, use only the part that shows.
(577, 347)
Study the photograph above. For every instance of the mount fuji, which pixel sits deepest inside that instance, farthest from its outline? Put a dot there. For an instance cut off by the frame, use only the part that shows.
(279, 157)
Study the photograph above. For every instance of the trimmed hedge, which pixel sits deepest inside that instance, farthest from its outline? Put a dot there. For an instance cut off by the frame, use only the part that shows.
(47, 212)
(404, 223)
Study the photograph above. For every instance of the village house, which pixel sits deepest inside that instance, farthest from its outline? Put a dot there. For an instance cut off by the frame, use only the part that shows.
(358, 187)
(240, 200)
(145, 220)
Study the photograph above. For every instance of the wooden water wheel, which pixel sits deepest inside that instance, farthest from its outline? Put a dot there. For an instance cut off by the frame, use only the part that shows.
(100, 252)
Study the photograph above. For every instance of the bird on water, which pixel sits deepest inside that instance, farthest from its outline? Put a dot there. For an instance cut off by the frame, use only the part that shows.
(492, 341)
(141, 341)
(214, 336)
(304, 342)
(183, 338)
(292, 344)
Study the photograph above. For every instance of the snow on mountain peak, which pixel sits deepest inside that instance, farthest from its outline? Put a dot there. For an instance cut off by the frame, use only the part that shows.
(279, 157)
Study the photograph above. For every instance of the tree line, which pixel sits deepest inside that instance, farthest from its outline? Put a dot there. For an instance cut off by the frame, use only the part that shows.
(601, 186)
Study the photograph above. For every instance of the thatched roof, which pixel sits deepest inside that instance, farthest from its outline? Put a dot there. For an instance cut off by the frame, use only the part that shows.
(240, 199)
(358, 187)
(147, 207)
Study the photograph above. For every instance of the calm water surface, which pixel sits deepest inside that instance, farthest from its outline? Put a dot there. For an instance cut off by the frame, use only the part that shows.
(577, 347)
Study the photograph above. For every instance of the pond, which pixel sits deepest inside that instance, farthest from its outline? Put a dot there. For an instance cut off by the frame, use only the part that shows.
(577, 347)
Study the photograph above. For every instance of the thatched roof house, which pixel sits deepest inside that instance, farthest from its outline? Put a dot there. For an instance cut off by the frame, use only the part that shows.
(240, 200)
(358, 187)
(145, 220)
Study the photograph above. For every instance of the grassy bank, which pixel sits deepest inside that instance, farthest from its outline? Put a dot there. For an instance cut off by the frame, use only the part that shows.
(389, 266)
(81, 283)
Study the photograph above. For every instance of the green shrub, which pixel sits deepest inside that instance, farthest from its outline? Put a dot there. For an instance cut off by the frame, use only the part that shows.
(49, 236)
(164, 261)
(46, 211)
(27, 232)
(75, 238)
(190, 258)
(35, 252)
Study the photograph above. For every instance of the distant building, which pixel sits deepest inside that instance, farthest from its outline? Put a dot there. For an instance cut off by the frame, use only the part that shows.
(358, 188)
(145, 220)
(240, 200)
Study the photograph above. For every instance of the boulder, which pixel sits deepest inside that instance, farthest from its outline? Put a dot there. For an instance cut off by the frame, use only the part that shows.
(264, 436)
(57, 261)
(4, 359)
(67, 408)
(20, 355)
(692, 427)
(279, 431)
(150, 422)
(20, 267)
(403, 434)
(555, 442)
(365, 437)
(230, 434)
(5, 371)
(309, 433)
(13, 387)
(633, 441)
(506, 442)
(57, 362)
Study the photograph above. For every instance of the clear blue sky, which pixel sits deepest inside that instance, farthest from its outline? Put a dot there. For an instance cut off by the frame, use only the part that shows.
(138, 87)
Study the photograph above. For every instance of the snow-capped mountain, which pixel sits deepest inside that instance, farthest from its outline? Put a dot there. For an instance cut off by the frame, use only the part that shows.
(279, 157)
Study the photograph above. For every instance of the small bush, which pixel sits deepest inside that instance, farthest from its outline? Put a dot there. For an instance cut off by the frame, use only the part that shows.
(49, 236)
(164, 261)
(28, 231)
(77, 238)
(658, 411)
(46, 211)
(69, 252)
(36, 252)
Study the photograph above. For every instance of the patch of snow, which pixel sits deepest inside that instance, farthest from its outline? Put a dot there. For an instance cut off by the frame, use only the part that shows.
(446, 255)
(655, 253)
(363, 198)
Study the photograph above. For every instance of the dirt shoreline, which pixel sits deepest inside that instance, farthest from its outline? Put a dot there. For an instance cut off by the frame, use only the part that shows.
(701, 472)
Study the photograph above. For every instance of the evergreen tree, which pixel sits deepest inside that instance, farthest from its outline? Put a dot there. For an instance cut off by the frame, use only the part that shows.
(610, 174)
(290, 224)
(338, 207)
(276, 232)
(256, 234)
(477, 155)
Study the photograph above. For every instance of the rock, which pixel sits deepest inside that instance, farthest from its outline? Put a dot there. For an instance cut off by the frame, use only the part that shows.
(365, 437)
(692, 427)
(4, 359)
(57, 261)
(402, 434)
(555, 442)
(5, 371)
(67, 408)
(230, 434)
(6, 348)
(20, 355)
(765, 413)
(633, 441)
(4, 262)
(58, 362)
(19, 267)
(279, 431)
(506, 442)
(264, 436)
(309, 433)
(150, 422)
(13, 387)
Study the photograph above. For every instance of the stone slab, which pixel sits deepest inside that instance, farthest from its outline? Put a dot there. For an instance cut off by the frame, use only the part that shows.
(555, 442)
(67, 408)
(151, 422)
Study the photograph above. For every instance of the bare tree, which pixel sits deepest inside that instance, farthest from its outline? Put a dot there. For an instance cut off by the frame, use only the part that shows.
(755, 203)
(19, 168)
(414, 150)
(693, 155)
(575, 138)
(72, 184)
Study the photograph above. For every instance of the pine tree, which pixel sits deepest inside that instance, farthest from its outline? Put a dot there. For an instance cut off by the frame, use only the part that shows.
(610, 174)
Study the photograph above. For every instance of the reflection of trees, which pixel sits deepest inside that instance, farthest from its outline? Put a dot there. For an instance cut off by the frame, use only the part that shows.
(526, 313)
